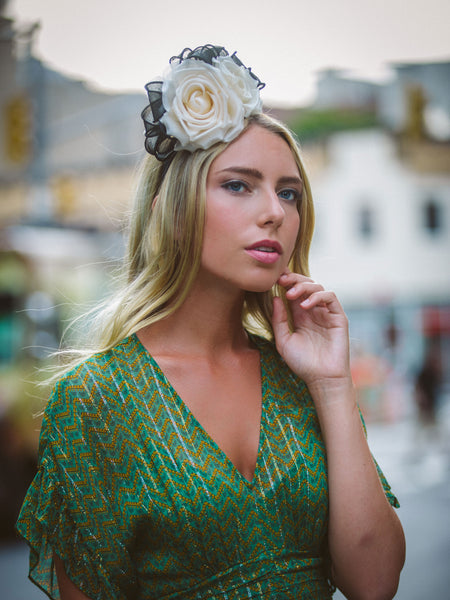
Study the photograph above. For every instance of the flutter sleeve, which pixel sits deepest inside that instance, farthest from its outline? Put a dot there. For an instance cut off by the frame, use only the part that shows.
(387, 488)
(67, 511)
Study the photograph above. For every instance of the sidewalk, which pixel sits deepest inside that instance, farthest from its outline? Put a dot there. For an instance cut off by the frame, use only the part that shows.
(411, 458)
(15, 584)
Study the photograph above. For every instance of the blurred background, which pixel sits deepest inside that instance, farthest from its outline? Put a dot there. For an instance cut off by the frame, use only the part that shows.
(366, 89)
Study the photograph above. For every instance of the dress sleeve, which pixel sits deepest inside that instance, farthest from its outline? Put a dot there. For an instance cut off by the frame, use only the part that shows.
(387, 488)
(66, 511)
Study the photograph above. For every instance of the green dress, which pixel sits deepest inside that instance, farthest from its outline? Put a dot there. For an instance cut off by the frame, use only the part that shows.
(140, 503)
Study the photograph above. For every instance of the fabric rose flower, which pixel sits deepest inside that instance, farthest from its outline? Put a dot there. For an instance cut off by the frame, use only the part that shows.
(207, 103)
(205, 98)
(240, 80)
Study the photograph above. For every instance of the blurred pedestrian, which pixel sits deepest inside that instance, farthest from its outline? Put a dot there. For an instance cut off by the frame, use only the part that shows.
(427, 386)
(212, 447)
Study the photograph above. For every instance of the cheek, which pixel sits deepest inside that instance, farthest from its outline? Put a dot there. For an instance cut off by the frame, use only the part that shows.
(219, 222)
(294, 228)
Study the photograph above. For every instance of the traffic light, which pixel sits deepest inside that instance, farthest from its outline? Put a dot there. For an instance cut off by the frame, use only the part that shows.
(18, 130)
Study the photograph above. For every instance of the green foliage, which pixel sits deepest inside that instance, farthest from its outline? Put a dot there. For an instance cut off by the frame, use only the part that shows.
(312, 124)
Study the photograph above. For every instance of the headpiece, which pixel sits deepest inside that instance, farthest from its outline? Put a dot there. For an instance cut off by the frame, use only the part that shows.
(204, 98)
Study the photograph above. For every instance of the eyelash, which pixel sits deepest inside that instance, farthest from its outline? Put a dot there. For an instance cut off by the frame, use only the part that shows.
(244, 187)
(231, 185)
(296, 195)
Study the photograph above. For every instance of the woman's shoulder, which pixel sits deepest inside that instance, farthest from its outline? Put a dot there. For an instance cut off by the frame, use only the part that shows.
(98, 387)
(102, 362)
(99, 374)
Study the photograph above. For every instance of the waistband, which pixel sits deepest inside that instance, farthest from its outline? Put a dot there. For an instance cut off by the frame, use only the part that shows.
(269, 577)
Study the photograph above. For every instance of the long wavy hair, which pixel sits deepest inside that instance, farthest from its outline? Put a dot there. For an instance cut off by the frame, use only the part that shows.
(165, 242)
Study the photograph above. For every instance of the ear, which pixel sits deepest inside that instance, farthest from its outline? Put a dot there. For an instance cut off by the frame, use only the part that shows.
(154, 201)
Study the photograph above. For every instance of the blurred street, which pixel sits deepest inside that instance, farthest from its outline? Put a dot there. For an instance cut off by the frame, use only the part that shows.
(419, 473)
(377, 154)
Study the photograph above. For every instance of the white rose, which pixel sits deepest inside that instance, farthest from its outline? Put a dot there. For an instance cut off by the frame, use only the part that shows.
(240, 80)
(206, 104)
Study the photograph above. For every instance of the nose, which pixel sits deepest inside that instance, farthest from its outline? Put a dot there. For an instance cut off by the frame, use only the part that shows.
(272, 213)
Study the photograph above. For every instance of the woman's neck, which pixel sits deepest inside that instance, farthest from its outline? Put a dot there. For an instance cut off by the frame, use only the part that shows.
(207, 323)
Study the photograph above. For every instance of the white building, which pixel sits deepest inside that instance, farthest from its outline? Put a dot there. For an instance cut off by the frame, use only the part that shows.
(382, 228)
(382, 243)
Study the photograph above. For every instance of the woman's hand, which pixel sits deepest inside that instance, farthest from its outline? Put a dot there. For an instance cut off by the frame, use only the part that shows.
(317, 348)
(365, 538)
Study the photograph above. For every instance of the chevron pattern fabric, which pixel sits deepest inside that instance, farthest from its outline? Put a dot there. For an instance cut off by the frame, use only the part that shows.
(140, 503)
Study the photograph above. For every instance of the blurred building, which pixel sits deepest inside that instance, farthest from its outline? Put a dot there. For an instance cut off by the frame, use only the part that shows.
(382, 240)
(58, 134)
(417, 99)
(68, 154)
(67, 158)
(417, 92)
(379, 164)
(337, 90)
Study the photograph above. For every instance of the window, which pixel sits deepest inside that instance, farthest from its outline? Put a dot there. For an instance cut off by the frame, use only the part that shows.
(432, 216)
(366, 222)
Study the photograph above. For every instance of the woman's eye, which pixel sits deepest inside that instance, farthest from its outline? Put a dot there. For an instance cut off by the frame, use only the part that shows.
(235, 186)
(289, 195)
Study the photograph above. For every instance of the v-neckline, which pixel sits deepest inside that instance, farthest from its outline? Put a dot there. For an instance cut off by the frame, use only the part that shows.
(188, 414)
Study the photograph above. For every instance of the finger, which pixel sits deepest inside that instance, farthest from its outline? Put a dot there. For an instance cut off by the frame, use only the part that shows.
(280, 321)
(303, 289)
(323, 298)
(288, 279)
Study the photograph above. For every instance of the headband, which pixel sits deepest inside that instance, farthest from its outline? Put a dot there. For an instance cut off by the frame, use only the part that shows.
(204, 98)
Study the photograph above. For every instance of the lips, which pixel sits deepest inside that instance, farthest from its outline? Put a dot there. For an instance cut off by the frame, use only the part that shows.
(265, 251)
(266, 246)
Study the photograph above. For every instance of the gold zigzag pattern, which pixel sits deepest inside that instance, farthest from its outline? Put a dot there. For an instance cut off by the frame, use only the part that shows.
(141, 503)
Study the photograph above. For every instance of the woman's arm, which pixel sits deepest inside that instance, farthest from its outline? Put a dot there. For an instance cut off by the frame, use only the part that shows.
(67, 590)
(366, 539)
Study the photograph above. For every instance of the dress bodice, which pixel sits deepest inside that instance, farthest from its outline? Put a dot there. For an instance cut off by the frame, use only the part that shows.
(140, 502)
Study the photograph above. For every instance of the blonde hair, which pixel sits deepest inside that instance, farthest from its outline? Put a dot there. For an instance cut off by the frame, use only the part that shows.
(165, 242)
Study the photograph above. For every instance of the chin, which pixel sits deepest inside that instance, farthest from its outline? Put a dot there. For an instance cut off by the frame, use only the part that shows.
(261, 284)
(259, 289)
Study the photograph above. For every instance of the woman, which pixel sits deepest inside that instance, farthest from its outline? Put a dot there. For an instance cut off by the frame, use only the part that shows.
(190, 457)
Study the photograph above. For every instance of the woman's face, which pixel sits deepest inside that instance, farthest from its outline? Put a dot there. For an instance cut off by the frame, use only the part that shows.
(252, 220)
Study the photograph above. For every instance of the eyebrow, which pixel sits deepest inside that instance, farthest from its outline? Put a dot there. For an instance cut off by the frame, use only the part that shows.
(244, 171)
(286, 180)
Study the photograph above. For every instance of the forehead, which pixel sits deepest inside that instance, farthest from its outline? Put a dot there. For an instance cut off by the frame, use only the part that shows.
(257, 146)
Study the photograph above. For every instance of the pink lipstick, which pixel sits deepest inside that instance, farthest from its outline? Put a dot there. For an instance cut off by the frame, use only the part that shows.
(265, 251)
